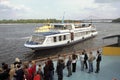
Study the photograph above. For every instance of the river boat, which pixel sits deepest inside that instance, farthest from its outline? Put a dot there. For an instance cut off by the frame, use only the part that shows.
(62, 34)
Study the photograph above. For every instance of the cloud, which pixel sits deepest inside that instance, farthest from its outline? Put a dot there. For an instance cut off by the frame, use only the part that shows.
(90, 9)
(108, 8)
(74, 9)
(9, 10)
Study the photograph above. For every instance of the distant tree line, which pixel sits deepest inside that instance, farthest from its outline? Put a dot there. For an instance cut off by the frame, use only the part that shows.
(38, 21)
(116, 20)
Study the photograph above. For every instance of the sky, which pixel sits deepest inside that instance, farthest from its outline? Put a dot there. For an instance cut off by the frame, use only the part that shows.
(49, 9)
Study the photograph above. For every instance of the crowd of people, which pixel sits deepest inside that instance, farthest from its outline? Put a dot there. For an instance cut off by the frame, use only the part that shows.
(31, 71)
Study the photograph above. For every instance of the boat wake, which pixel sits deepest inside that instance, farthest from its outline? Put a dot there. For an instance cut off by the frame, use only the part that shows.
(25, 37)
(21, 38)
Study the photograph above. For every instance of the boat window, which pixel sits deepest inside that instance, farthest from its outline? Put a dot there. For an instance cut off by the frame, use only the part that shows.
(77, 34)
(68, 26)
(83, 25)
(87, 32)
(63, 27)
(60, 38)
(54, 39)
(58, 26)
(37, 39)
(64, 37)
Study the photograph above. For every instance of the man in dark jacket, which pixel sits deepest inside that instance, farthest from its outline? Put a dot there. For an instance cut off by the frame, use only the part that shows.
(69, 66)
(85, 59)
(59, 69)
(19, 73)
(4, 74)
(98, 59)
(46, 71)
(51, 68)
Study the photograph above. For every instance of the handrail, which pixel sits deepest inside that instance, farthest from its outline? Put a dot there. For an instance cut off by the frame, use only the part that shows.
(55, 57)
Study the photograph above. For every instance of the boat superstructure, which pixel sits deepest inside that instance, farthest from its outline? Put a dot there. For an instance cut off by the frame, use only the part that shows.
(55, 35)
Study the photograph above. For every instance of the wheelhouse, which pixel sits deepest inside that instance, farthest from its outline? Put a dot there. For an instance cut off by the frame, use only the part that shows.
(36, 39)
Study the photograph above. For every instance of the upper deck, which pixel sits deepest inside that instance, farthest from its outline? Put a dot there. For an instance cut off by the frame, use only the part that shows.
(62, 27)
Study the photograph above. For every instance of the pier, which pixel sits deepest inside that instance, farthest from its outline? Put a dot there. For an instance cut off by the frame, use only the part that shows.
(109, 67)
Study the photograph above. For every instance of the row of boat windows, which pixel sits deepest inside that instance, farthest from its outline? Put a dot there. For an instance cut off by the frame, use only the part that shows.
(60, 38)
(64, 37)
(62, 27)
(41, 39)
(81, 33)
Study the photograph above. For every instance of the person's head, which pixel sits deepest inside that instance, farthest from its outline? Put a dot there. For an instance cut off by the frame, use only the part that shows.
(30, 61)
(48, 58)
(70, 58)
(46, 63)
(84, 50)
(82, 53)
(33, 62)
(5, 67)
(59, 55)
(17, 60)
(39, 65)
(3, 63)
(98, 51)
(90, 53)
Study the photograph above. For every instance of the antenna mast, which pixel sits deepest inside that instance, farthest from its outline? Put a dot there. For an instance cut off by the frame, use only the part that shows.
(63, 17)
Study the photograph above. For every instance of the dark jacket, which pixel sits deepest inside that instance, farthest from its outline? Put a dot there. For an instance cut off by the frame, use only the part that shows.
(19, 74)
(69, 63)
(60, 67)
(86, 57)
(51, 65)
(46, 72)
(99, 58)
(4, 75)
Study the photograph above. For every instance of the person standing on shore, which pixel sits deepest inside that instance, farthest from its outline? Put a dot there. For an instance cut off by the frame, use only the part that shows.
(12, 72)
(98, 60)
(69, 66)
(91, 58)
(51, 68)
(19, 74)
(82, 61)
(85, 59)
(46, 71)
(74, 61)
(59, 69)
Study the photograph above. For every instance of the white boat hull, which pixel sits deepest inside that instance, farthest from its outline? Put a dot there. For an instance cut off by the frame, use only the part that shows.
(65, 43)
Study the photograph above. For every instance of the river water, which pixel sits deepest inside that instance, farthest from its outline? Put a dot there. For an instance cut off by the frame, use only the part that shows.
(13, 36)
